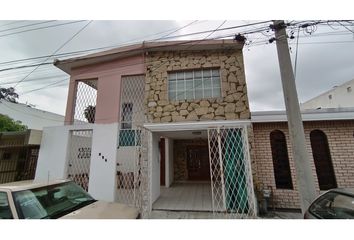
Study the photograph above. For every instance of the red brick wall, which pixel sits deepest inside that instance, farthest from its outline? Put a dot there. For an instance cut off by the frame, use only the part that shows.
(340, 135)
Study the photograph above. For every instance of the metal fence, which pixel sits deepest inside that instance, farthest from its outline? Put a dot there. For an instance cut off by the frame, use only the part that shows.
(85, 101)
(231, 178)
(80, 157)
(132, 145)
(18, 163)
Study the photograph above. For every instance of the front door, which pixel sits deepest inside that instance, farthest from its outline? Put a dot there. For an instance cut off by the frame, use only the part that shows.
(198, 163)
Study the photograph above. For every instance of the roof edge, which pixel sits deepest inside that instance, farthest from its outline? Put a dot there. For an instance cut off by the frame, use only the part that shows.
(67, 65)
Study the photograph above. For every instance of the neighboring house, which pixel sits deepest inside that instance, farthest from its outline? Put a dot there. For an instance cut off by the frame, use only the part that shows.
(33, 118)
(18, 155)
(329, 137)
(154, 106)
(19, 150)
(339, 97)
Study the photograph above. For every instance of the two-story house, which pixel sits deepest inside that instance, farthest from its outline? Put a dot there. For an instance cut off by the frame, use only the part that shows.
(159, 125)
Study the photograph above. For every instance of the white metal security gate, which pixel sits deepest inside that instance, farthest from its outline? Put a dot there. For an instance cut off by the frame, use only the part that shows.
(231, 178)
(132, 143)
(80, 157)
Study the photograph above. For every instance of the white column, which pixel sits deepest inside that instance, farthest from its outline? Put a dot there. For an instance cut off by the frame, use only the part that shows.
(102, 185)
(52, 159)
(155, 166)
(169, 161)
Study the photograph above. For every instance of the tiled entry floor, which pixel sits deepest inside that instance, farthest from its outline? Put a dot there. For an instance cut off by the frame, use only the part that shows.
(191, 196)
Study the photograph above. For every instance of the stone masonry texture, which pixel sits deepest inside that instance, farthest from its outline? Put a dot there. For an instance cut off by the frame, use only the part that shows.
(340, 135)
(232, 105)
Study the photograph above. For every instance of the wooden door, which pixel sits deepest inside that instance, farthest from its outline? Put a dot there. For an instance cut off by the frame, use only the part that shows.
(162, 161)
(198, 165)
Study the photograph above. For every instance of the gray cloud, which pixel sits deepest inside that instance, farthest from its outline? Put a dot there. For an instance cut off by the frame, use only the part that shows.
(320, 66)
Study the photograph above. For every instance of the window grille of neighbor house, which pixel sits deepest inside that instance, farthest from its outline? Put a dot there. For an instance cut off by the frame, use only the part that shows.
(231, 178)
(194, 84)
(85, 101)
(129, 156)
(80, 157)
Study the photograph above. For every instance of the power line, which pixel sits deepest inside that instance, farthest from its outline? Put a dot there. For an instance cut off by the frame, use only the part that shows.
(28, 25)
(11, 23)
(187, 25)
(40, 28)
(71, 38)
(255, 30)
(95, 49)
(189, 34)
(44, 87)
(296, 52)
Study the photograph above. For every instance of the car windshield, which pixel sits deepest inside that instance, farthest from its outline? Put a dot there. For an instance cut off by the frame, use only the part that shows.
(52, 201)
(333, 205)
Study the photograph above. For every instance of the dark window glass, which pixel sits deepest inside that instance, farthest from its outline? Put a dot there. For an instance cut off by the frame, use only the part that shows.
(280, 157)
(323, 161)
(5, 211)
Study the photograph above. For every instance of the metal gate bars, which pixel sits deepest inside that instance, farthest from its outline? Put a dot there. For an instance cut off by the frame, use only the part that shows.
(132, 145)
(80, 157)
(231, 178)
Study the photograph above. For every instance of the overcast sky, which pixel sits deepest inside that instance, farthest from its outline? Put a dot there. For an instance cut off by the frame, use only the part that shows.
(325, 58)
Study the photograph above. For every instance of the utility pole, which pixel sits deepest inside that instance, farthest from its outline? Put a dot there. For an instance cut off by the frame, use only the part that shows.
(304, 176)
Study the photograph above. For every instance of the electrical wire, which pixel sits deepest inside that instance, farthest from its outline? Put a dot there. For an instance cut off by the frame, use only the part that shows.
(63, 45)
(296, 52)
(28, 25)
(40, 28)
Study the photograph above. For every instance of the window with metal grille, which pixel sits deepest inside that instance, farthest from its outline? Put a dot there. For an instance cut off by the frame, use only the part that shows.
(322, 158)
(280, 157)
(127, 115)
(127, 135)
(194, 84)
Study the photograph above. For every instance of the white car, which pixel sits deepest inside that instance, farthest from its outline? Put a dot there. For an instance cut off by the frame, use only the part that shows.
(56, 199)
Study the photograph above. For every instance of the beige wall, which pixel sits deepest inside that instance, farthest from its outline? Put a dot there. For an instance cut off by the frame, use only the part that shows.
(341, 145)
(232, 105)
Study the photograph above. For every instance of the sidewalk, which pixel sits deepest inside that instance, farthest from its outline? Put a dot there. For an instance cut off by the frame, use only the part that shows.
(160, 214)
(283, 215)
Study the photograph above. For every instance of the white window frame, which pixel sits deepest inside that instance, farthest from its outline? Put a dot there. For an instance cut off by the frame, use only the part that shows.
(215, 91)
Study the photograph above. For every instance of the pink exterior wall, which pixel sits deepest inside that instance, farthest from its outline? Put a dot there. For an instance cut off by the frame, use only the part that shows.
(109, 81)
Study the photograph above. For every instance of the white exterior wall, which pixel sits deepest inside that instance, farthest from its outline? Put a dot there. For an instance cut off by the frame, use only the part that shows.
(53, 154)
(31, 117)
(169, 161)
(103, 168)
(35, 137)
(55, 149)
(341, 97)
(154, 159)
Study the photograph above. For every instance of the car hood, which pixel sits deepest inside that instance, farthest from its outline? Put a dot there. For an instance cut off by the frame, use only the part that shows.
(104, 210)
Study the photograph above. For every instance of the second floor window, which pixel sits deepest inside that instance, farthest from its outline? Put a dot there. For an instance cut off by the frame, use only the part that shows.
(194, 84)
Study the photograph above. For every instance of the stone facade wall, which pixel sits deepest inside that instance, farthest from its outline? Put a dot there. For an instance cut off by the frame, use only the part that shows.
(232, 105)
(341, 145)
(180, 157)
